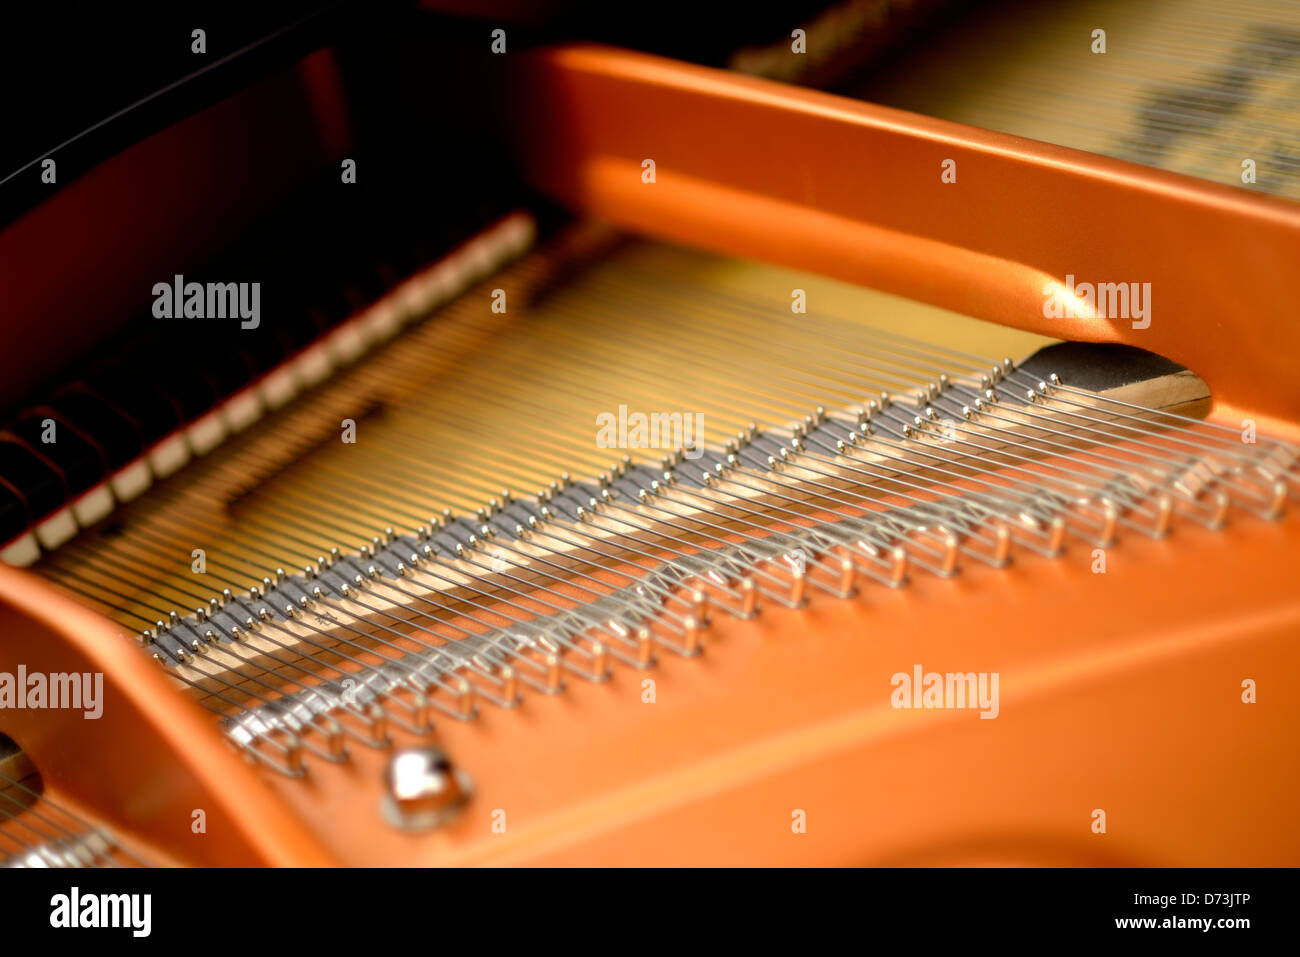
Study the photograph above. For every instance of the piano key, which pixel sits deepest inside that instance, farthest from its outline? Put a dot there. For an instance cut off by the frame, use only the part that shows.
(14, 518)
(116, 436)
(83, 466)
(40, 484)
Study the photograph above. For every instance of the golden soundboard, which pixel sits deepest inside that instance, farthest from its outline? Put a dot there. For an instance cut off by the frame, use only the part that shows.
(861, 435)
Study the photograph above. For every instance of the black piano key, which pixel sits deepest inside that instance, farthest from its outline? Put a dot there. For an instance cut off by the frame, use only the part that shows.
(154, 415)
(109, 429)
(83, 466)
(14, 519)
(298, 328)
(40, 484)
(260, 348)
(191, 395)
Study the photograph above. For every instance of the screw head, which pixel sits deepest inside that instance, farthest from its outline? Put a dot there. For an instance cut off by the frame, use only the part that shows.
(422, 789)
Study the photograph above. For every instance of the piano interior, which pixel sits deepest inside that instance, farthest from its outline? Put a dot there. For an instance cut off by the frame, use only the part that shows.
(510, 434)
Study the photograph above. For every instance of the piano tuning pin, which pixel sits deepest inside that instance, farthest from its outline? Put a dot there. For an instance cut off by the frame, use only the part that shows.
(1056, 536)
(293, 758)
(365, 551)
(1109, 523)
(1277, 505)
(554, 674)
(645, 648)
(848, 574)
(748, 598)
(1164, 514)
(951, 548)
(335, 742)
(599, 661)
(1220, 516)
(1001, 545)
(1031, 395)
(465, 700)
(146, 638)
(985, 382)
(377, 722)
(1042, 387)
(691, 642)
(798, 584)
(700, 605)
(898, 567)
(509, 686)
(421, 713)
